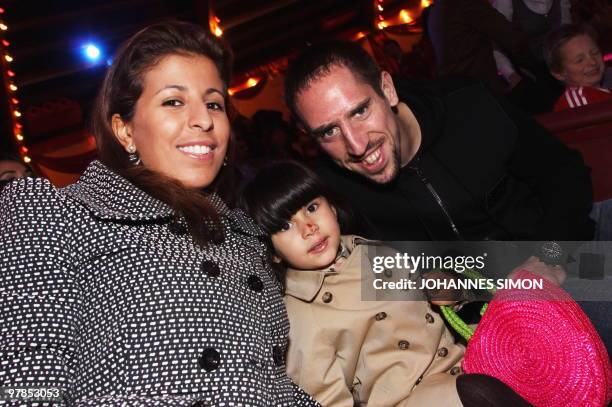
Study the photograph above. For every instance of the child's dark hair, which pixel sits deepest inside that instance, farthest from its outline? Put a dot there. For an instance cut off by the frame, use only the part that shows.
(279, 190)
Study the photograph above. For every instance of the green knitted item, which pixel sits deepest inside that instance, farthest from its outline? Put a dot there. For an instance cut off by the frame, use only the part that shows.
(455, 320)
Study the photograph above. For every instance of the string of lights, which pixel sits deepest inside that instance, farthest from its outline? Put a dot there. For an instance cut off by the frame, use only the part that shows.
(214, 24)
(8, 79)
(404, 16)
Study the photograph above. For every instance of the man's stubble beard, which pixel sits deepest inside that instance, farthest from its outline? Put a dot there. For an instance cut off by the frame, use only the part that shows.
(395, 164)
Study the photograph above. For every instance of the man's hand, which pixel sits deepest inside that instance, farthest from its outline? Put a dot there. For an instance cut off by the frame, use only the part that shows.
(554, 274)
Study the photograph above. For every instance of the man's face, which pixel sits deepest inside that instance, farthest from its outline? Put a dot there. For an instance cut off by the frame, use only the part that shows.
(354, 124)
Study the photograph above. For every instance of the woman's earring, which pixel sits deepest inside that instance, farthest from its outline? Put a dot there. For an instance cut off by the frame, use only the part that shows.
(132, 155)
(225, 161)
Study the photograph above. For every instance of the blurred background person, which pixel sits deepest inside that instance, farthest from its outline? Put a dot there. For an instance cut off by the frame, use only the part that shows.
(273, 135)
(11, 167)
(575, 59)
(534, 87)
(463, 33)
(303, 144)
(597, 14)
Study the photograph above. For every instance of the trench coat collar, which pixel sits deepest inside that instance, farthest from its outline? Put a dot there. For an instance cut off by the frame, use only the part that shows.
(306, 284)
(110, 196)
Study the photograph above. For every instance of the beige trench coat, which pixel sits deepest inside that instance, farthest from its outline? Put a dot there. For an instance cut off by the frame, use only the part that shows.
(343, 350)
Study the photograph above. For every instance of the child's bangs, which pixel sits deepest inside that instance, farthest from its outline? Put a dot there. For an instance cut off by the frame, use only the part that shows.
(289, 199)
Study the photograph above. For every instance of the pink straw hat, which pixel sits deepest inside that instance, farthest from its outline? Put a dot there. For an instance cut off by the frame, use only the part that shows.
(541, 344)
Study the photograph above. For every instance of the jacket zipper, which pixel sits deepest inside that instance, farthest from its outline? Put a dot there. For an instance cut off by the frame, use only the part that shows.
(433, 192)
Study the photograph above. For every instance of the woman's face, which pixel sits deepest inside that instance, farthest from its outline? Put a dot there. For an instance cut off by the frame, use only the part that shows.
(581, 61)
(180, 126)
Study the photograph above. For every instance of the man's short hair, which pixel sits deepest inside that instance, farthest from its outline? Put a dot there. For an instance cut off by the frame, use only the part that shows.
(317, 61)
(559, 37)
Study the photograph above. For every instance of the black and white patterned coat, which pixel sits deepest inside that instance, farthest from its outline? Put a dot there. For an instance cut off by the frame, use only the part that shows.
(106, 297)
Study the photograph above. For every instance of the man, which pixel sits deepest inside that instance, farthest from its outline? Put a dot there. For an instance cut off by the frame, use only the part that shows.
(444, 162)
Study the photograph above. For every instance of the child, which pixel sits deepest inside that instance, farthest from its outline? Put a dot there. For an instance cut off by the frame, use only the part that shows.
(574, 58)
(342, 350)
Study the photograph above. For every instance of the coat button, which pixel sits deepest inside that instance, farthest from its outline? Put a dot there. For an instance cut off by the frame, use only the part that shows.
(388, 273)
(442, 352)
(403, 345)
(278, 355)
(381, 315)
(210, 268)
(177, 228)
(327, 297)
(209, 360)
(455, 370)
(429, 318)
(255, 283)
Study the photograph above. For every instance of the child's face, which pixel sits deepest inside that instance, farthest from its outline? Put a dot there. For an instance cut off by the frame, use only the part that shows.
(581, 61)
(310, 240)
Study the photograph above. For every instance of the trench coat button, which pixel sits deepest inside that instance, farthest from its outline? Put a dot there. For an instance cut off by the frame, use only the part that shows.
(388, 273)
(327, 297)
(210, 268)
(429, 318)
(381, 315)
(455, 370)
(177, 228)
(255, 283)
(403, 345)
(278, 355)
(209, 359)
(442, 352)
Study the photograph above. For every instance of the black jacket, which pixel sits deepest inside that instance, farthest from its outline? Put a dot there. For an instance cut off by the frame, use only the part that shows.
(483, 166)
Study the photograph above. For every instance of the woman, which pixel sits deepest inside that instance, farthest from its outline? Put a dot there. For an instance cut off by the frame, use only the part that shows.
(137, 285)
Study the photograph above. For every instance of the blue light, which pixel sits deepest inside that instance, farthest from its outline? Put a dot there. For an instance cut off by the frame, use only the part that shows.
(92, 52)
